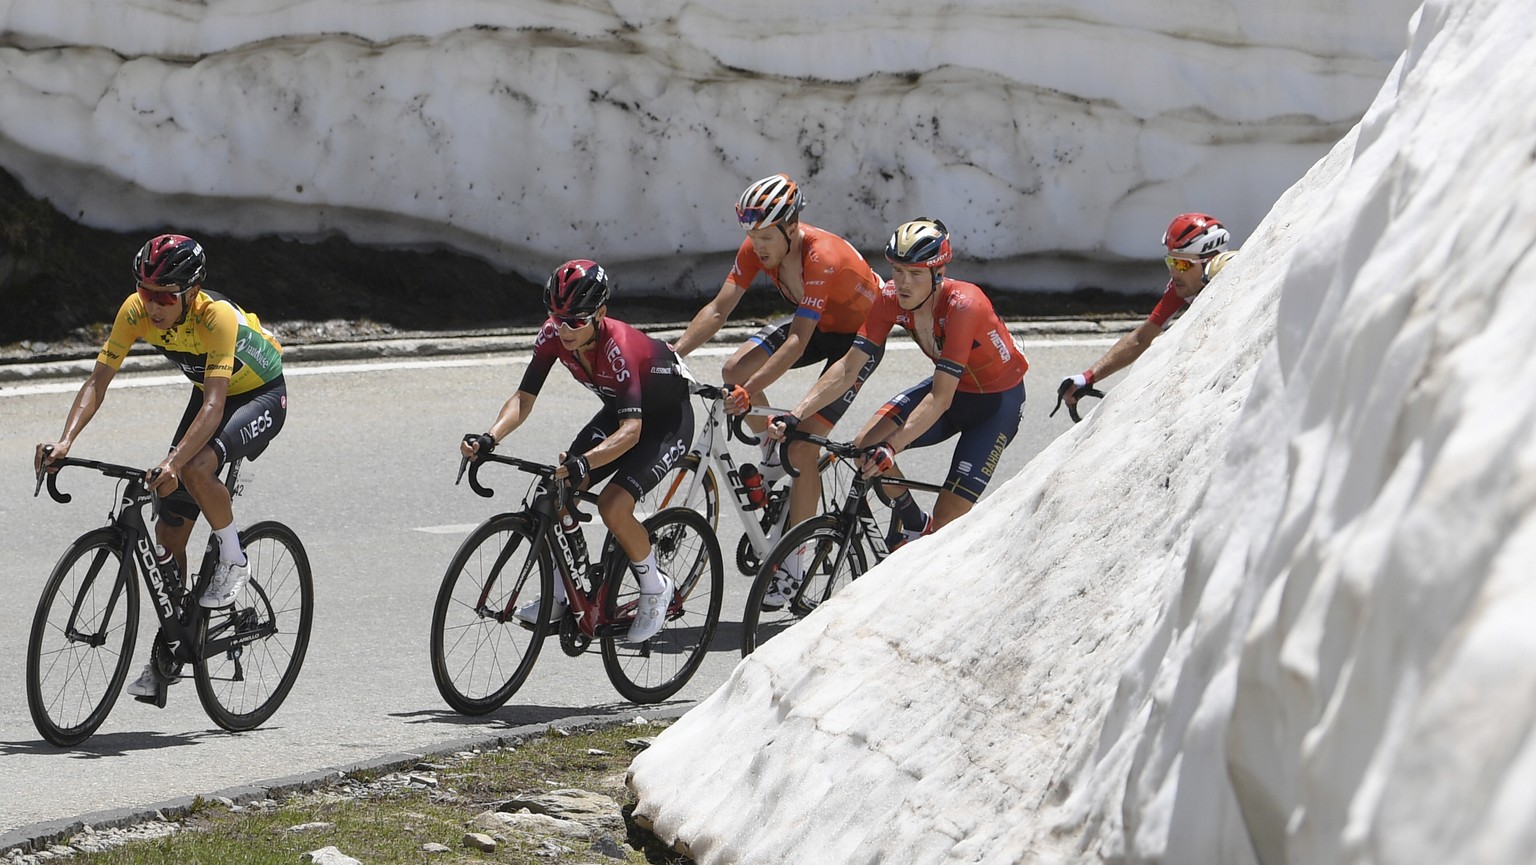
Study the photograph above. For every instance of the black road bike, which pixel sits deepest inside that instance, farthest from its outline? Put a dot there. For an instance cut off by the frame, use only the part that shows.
(834, 548)
(244, 657)
(482, 653)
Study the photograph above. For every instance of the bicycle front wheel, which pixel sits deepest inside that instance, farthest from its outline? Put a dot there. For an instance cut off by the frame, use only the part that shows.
(251, 651)
(690, 485)
(688, 552)
(480, 653)
(81, 644)
(829, 561)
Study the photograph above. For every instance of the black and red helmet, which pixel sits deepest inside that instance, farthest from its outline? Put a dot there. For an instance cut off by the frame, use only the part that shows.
(171, 259)
(577, 287)
(1195, 235)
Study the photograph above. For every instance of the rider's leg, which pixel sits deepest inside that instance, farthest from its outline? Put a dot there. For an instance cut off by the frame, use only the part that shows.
(748, 359)
(174, 538)
(201, 479)
(950, 507)
(805, 493)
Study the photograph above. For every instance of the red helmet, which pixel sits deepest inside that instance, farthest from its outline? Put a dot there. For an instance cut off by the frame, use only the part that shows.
(171, 259)
(1195, 235)
(769, 202)
(577, 287)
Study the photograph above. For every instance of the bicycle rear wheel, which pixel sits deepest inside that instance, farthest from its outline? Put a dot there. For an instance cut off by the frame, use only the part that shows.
(81, 644)
(480, 653)
(688, 552)
(252, 651)
(679, 490)
(829, 560)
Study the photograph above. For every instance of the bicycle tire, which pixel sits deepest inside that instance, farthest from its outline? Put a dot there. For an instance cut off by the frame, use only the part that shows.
(818, 540)
(669, 493)
(252, 651)
(72, 683)
(836, 476)
(480, 657)
(688, 552)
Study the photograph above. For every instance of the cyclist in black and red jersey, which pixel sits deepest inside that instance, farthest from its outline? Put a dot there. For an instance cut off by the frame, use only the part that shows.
(976, 390)
(238, 403)
(1197, 251)
(643, 428)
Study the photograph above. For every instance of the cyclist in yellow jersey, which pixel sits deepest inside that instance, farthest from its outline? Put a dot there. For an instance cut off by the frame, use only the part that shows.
(238, 402)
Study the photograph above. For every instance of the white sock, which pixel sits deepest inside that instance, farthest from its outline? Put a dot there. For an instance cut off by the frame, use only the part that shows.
(645, 573)
(229, 545)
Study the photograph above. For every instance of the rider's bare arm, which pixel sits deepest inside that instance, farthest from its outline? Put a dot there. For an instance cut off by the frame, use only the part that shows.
(1126, 350)
(708, 321)
(928, 411)
(795, 341)
(614, 446)
(87, 400)
(833, 383)
(513, 413)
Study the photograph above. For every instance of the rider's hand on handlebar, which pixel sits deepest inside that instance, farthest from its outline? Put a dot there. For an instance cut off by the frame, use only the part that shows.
(162, 479)
(737, 400)
(477, 444)
(46, 454)
(574, 468)
(1070, 385)
(781, 425)
(881, 459)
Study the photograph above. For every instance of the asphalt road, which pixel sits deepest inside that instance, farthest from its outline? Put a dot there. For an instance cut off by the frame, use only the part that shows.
(364, 472)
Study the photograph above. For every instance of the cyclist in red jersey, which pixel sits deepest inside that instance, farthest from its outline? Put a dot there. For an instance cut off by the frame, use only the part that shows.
(238, 404)
(644, 426)
(831, 288)
(976, 390)
(1197, 251)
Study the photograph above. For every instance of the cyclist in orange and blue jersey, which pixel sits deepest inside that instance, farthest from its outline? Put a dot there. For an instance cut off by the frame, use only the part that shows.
(831, 288)
(976, 390)
(238, 403)
(644, 427)
(1196, 251)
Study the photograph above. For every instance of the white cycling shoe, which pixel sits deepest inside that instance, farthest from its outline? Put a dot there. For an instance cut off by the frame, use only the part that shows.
(228, 581)
(147, 684)
(650, 612)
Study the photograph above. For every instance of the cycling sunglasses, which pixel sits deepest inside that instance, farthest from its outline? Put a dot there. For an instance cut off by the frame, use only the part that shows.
(1179, 264)
(574, 322)
(158, 295)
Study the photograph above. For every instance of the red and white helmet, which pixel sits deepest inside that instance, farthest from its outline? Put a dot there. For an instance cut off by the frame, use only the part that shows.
(1195, 235)
(769, 202)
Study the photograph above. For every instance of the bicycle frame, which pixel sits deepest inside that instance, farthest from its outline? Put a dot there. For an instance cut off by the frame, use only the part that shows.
(854, 516)
(136, 550)
(712, 444)
(541, 505)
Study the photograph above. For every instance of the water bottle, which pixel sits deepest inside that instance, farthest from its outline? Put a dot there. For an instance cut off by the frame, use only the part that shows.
(752, 482)
(577, 541)
(170, 574)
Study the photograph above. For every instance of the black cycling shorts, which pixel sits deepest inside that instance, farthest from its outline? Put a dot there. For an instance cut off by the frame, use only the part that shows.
(251, 420)
(824, 348)
(986, 423)
(664, 439)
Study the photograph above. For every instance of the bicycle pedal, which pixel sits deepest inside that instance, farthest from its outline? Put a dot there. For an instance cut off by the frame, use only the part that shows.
(158, 700)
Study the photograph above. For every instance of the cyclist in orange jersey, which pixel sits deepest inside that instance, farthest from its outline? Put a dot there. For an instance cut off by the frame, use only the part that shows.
(831, 288)
(976, 390)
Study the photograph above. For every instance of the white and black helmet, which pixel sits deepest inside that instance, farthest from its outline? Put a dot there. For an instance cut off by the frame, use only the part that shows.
(769, 202)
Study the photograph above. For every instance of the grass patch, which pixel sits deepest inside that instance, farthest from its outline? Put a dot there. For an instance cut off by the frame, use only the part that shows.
(380, 818)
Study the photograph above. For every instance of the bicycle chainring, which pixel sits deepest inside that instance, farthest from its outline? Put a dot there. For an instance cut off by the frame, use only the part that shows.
(164, 660)
(572, 641)
(747, 561)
